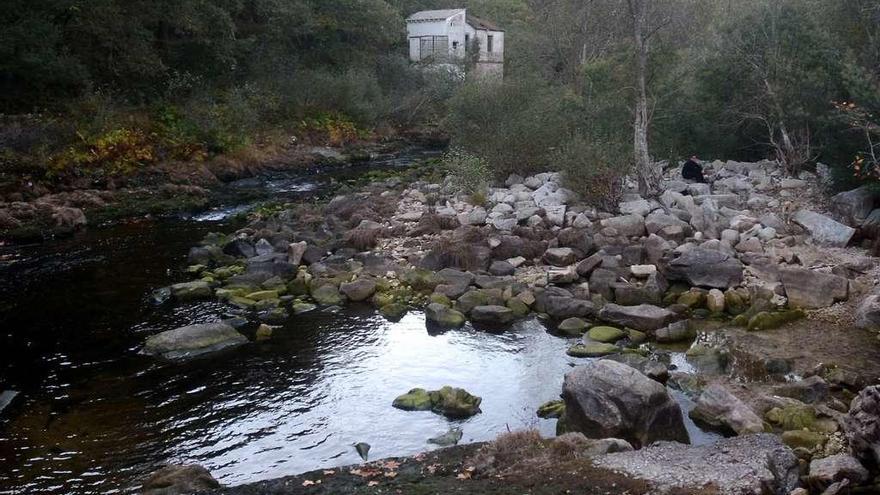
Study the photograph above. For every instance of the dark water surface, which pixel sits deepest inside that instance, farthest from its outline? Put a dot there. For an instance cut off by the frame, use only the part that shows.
(94, 417)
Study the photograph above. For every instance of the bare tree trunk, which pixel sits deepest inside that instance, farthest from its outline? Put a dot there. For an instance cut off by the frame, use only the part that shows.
(647, 176)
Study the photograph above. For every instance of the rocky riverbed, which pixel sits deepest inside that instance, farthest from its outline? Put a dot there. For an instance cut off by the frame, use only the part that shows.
(751, 275)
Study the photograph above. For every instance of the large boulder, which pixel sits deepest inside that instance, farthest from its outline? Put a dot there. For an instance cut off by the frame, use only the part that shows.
(862, 426)
(868, 313)
(740, 465)
(179, 480)
(706, 268)
(719, 408)
(609, 399)
(644, 317)
(854, 206)
(809, 289)
(193, 340)
(824, 230)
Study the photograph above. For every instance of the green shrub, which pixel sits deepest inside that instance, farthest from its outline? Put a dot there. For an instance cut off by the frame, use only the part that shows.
(594, 168)
(515, 125)
(470, 174)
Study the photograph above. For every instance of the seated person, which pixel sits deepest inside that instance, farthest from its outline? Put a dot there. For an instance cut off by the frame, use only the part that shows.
(692, 170)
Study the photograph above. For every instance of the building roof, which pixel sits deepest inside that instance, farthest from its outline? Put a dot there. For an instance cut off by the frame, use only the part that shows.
(434, 15)
(478, 23)
(442, 15)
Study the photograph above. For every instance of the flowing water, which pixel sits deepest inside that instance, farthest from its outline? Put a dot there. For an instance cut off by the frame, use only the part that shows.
(94, 417)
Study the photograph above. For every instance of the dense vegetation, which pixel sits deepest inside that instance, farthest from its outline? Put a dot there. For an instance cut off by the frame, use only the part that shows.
(107, 87)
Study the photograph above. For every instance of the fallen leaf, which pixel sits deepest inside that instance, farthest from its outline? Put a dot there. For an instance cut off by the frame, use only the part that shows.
(433, 468)
(391, 474)
(308, 483)
(391, 464)
(373, 483)
(464, 476)
(329, 473)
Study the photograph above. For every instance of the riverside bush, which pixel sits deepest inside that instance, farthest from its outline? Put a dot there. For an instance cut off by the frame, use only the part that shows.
(594, 168)
(514, 125)
(470, 174)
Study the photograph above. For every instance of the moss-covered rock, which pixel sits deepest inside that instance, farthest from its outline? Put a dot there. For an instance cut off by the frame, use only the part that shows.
(552, 409)
(421, 280)
(804, 439)
(519, 308)
(768, 320)
(592, 350)
(635, 336)
(573, 326)
(417, 399)
(327, 295)
(242, 302)
(736, 301)
(263, 295)
(606, 334)
(792, 417)
(448, 401)
(264, 332)
(438, 298)
(693, 298)
(393, 311)
(190, 291)
(444, 316)
(471, 299)
(300, 307)
(454, 402)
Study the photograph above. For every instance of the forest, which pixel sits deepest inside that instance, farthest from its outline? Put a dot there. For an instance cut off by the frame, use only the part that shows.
(187, 80)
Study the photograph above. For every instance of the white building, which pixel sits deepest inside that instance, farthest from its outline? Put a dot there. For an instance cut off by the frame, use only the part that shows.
(447, 36)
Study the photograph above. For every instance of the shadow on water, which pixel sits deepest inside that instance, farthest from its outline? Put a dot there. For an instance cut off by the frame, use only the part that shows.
(94, 417)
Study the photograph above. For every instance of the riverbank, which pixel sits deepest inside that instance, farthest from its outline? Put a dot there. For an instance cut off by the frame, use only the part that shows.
(33, 210)
(753, 295)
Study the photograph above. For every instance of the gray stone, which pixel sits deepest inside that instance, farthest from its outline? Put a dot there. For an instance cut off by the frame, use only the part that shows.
(824, 230)
(295, 252)
(626, 225)
(560, 256)
(837, 468)
(263, 247)
(504, 223)
(492, 315)
(179, 480)
(748, 464)
(192, 341)
(706, 268)
(643, 317)
(6, 399)
(555, 215)
(657, 221)
(809, 289)
(675, 332)
(854, 206)
(639, 207)
(565, 275)
(476, 216)
(862, 426)
(607, 399)
(719, 408)
(868, 313)
(359, 290)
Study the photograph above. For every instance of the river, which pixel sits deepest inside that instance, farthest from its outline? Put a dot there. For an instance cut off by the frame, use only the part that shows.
(94, 417)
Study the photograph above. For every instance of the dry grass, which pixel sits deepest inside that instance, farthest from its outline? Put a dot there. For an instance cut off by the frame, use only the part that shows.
(362, 239)
(457, 254)
(526, 451)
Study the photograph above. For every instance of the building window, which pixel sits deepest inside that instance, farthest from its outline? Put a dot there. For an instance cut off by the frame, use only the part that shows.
(490, 43)
(436, 47)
